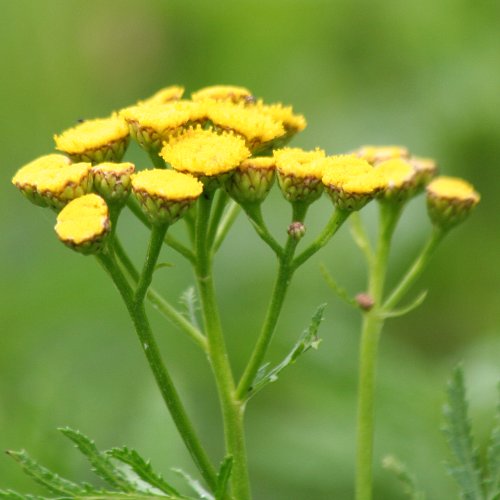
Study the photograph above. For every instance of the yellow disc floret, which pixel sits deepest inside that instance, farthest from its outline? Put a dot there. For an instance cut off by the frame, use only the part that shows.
(293, 123)
(167, 184)
(299, 163)
(83, 223)
(92, 135)
(29, 175)
(376, 154)
(453, 188)
(167, 94)
(205, 152)
(223, 93)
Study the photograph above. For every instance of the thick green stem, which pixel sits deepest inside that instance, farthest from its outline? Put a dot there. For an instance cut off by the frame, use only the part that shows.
(162, 377)
(232, 409)
(372, 326)
(415, 270)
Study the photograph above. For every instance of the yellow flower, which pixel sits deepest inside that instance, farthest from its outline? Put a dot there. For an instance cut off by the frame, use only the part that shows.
(300, 173)
(450, 200)
(399, 179)
(258, 128)
(291, 122)
(52, 180)
(351, 181)
(376, 154)
(425, 170)
(84, 224)
(205, 153)
(165, 195)
(223, 93)
(167, 94)
(95, 141)
(113, 181)
(252, 180)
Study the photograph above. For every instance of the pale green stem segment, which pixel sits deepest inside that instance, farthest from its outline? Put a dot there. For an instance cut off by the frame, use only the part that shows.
(217, 212)
(416, 269)
(232, 409)
(254, 213)
(372, 326)
(226, 223)
(138, 315)
(165, 308)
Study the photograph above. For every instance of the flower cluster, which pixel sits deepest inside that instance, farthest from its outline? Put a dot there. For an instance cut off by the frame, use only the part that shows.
(223, 137)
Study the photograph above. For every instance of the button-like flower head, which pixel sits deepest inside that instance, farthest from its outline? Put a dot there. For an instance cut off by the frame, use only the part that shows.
(399, 179)
(95, 141)
(350, 181)
(113, 181)
(83, 224)
(165, 195)
(299, 173)
(377, 154)
(252, 180)
(224, 93)
(450, 200)
(167, 94)
(205, 153)
(52, 180)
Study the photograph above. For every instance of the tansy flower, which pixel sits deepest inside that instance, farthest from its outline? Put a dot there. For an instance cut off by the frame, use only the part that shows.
(95, 141)
(112, 181)
(425, 170)
(351, 181)
(165, 195)
(52, 180)
(300, 173)
(167, 94)
(258, 129)
(398, 177)
(83, 224)
(251, 181)
(450, 200)
(377, 154)
(205, 153)
(223, 93)
(152, 123)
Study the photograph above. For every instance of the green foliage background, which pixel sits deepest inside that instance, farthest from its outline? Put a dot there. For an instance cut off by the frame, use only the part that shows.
(424, 74)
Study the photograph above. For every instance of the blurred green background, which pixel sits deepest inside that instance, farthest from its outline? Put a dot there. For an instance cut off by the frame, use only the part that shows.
(420, 73)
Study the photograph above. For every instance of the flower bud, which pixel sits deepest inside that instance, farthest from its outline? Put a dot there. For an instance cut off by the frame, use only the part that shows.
(300, 174)
(365, 301)
(113, 181)
(83, 224)
(296, 230)
(95, 141)
(450, 200)
(53, 181)
(350, 181)
(165, 195)
(252, 180)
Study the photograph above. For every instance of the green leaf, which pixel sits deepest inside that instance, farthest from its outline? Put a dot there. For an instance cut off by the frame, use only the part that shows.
(337, 289)
(100, 462)
(223, 476)
(494, 457)
(465, 466)
(407, 480)
(142, 468)
(189, 300)
(48, 479)
(195, 485)
(309, 339)
(13, 495)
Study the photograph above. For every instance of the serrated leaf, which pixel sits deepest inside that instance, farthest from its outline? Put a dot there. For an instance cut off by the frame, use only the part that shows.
(195, 485)
(223, 476)
(189, 300)
(143, 469)
(465, 468)
(494, 457)
(48, 479)
(407, 480)
(13, 495)
(309, 339)
(99, 461)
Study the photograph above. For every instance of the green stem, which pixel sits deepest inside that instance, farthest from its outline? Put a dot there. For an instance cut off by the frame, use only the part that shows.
(176, 245)
(162, 377)
(336, 220)
(389, 214)
(281, 285)
(360, 237)
(218, 210)
(160, 303)
(415, 270)
(254, 213)
(232, 409)
(226, 223)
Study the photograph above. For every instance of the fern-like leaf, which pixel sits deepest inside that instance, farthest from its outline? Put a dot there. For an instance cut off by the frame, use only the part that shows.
(13, 495)
(465, 466)
(48, 479)
(143, 469)
(406, 479)
(494, 457)
(100, 462)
